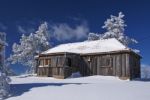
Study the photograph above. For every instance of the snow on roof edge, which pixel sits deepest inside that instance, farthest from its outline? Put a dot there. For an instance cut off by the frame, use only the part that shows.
(85, 47)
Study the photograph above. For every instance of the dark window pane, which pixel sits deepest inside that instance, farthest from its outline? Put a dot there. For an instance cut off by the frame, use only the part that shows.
(68, 62)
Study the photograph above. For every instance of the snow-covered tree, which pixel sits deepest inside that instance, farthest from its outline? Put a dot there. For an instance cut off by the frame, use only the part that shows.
(29, 46)
(8, 71)
(115, 27)
(93, 36)
(4, 85)
(4, 80)
(42, 38)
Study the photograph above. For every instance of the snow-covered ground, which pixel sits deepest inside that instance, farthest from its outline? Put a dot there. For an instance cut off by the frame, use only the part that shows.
(85, 88)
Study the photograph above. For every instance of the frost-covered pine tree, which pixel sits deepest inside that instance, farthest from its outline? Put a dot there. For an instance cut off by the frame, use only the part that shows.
(4, 85)
(4, 80)
(93, 36)
(8, 70)
(29, 46)
(115, 27)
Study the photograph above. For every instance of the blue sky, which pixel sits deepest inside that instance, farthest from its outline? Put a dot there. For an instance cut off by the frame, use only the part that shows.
(24, 16)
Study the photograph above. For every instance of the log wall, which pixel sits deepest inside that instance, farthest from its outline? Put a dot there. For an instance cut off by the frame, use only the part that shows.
(119, 64)
(122, 65)
(58, 66)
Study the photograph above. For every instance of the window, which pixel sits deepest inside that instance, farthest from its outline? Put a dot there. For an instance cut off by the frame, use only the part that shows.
(46, 61)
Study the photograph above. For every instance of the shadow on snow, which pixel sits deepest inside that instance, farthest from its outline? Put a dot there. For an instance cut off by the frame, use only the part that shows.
(142, 79)
(19, 89)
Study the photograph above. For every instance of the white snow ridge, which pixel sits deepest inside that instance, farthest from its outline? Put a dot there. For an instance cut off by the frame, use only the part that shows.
(83, 88)
(97, 46)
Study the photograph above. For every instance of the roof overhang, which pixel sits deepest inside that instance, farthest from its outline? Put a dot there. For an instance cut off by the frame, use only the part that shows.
(90, 54)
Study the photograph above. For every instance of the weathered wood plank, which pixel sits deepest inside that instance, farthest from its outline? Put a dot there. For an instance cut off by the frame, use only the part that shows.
(127, 65)
(122, 65)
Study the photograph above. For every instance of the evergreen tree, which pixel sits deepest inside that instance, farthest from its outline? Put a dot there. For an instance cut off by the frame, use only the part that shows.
(30, 46)
(115, 27)
(93, 36)
(4, 80)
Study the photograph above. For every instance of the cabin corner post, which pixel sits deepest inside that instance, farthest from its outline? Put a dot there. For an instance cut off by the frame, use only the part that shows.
(134, 64)
(128, 66)
(36, 65)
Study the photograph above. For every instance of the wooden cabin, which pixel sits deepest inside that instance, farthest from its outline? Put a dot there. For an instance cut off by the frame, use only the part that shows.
(106, 57)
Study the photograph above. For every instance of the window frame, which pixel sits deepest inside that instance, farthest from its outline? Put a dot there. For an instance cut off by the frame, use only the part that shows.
(46, 62)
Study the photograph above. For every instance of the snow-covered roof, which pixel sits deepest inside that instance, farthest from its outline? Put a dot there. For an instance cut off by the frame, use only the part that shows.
(97, 46)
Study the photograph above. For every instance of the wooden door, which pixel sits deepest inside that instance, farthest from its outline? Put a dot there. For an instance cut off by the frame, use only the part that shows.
(105, 67)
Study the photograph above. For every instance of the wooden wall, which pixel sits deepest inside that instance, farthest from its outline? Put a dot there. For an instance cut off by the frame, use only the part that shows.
(134, 66)
(58, 66)
(119, 64)
(122, 65)
(55, 66)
